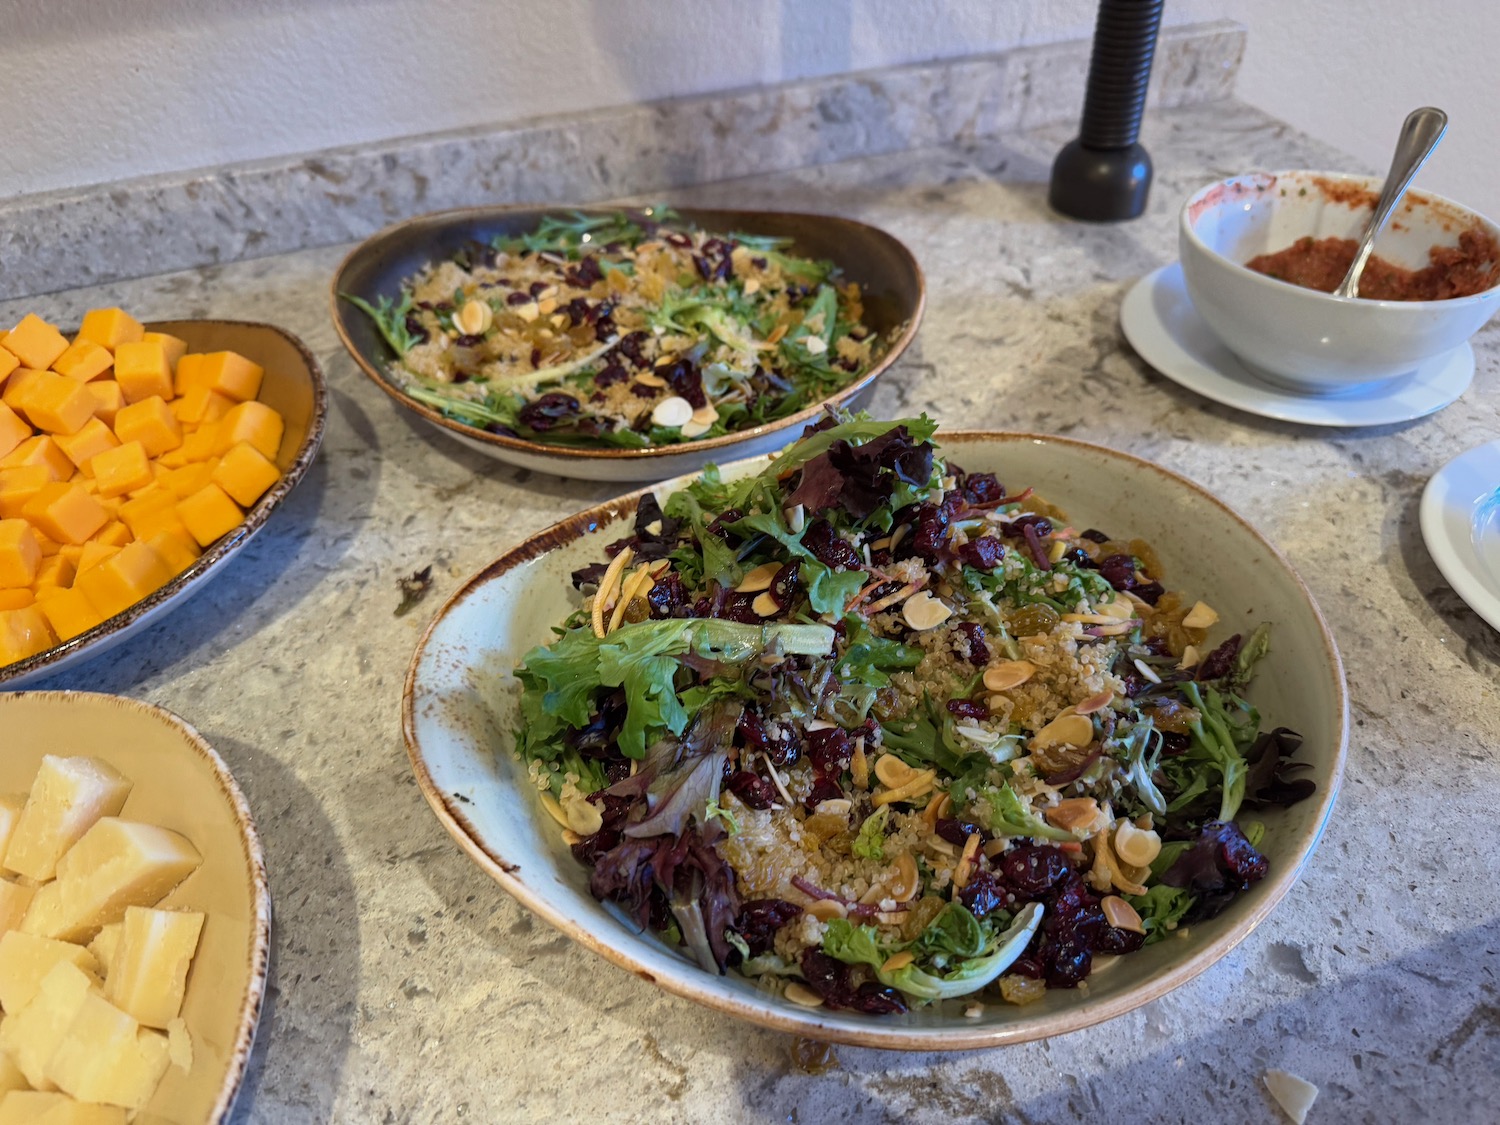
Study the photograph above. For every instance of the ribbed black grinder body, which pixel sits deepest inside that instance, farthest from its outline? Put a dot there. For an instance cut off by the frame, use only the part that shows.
(1105, 174)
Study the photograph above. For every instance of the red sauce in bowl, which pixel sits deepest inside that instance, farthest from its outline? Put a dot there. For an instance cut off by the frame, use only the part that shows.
(1451, 271)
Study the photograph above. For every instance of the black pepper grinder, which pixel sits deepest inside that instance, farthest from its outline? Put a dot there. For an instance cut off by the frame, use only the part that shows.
(1104, 174)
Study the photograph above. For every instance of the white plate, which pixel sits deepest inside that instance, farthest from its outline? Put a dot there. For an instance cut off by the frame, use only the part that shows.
(1166, 331)
(1461, 526)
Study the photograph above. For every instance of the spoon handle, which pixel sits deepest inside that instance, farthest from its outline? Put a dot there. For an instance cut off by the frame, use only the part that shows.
(1420, 134)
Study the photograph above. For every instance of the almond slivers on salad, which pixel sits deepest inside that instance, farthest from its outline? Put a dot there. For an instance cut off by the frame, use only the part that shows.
(626, 330)
(882, 733)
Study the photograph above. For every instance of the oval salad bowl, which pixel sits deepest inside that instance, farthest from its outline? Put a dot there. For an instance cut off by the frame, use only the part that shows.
(460, 712)
(892, 294)
(181, 784)
(293, 386)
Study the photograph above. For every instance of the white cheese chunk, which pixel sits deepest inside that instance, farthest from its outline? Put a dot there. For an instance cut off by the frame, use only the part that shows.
(14, 899)
(32, 1108)
(26, 959)
(117, 864)
(106, 1056)
(180, 1044)
(68, 796)
(33, 1033)
(11, 1077)
(1294, 1095)
(104, 945)
(150, 969)
(11, 805)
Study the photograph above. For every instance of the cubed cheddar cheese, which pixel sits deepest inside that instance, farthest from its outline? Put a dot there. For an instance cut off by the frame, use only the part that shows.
(152, 512)
(114, 534)
(14, 899)
(55, 571)
(125, 468)
(188, 374)
(109, 328)
(40, 450)
(177, 549)
(8, 363)
(70, 613)
(174, 347)
(209, 513)
(93, 554)
(65, 512)
(31, 1034)
(142, 371)
(108, 398)
(58, 405)
(201, 444)
(20, 554)
(231, 374)
(13, 430)
(26, 959)
(124, 578)
(67, 799)
(24, 632)
(93, 439)
(84, 360)
(18, 485)
(150, 970)
(35, 342)
(199, 404)
(254, 422)
(106, 1057)
(245, 473)
(151, 423)
(190, 478)
(17, 387)
(17, 597)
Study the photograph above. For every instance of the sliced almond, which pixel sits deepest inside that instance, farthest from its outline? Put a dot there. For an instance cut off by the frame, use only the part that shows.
(965, 866)
(1118, 629)
(1073, 813)
(608, 585)
(897, 961)
(758, 579)
(834, 806)
(547, 306)
(570, 837)
(859, 767)
(776, 334)
(892, 771)
(475, 317)
(921, 783)
(672, 412)
(766, 605)
(826, 909)
(752, 286)
(693, 428)
(706, 414)
(890, 599)
(1094, 703)
(1008, 674)
(936, 809)
(1070, 729)
(796, 518)
(554, 809)
(798, 993)
(1190, 658)
(1121, 915)
(527, 312)
(814, 345)
(1120, 607)
(1146, 670)
(906, 882)
(1201, 616)
(922, 611)
(647, 379)
(1090, 618)
(1136, 846)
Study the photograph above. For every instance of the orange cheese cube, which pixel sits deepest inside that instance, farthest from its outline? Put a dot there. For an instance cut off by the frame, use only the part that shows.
(58, 405)
(20, 554)
(16, 388)
(189, 478)
(13, 429)
(199, 404)
(149, 422)
(93, 553)
(177, 549)
(124, 579)
(35, 342)
(40, 450)
(209, 513)
(18, 485)
(188, 373)
(17, 598)
(174, 347)
(65, 512)
(23, 633)
(8, 363)
(142, 371)
(245, 473)
(152, 512)
(109, 328)
(122, 469)
(93, 439)
(113, 534)
(201, 444)
(108, 398)
(84, 360)
(232, 374)
(254, 422)
(56, 571)
(70, 613)
(50, 547)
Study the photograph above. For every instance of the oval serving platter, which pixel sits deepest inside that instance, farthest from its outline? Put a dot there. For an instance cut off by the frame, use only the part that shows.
(891, 283)
(460, 705)
(180, 783)
(294, 386)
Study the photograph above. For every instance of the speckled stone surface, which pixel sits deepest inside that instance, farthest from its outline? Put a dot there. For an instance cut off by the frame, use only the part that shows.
(408, 987)
(61, 239)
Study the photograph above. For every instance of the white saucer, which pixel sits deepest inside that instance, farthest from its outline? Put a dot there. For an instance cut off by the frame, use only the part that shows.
(1460, 517)
(1163, 327)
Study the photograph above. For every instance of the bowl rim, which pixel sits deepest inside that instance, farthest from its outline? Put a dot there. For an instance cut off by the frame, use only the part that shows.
(806, 1021)
(229, 543)
(262, 913)
(1188, 230)
(572, 453)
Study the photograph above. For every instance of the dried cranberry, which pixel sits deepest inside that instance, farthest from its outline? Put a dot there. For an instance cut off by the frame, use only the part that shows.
(1068, 962)
(957, 832)
(612, 373)
(979, 652)
(1220, 662)
(1093, 535)
(686, 381)
(829, 750)
(1120, 572)
(472, 341)
(536, 357)
(673, 238)
(630, 347)
(983, 553)
(548, 411)
(517, 298)
(775, 740)
(982, 895)
(1112, 940)
(415, 330)
(982, 489)
(784, 589)
(738, 607)
(1175, 743)
(667, 596)
(752, 789)
(1032, 869)
(833, 981)
(720, 526)
(824, 788)
(1041, 524)
(538, 288)
(930, 534)
(829, 548)
(968, 708)
(760, 918)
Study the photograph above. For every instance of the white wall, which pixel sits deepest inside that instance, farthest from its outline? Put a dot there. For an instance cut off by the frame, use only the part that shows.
(99, 90)
(1349, 71)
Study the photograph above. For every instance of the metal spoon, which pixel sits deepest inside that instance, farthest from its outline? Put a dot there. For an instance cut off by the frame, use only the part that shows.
(1420, 134)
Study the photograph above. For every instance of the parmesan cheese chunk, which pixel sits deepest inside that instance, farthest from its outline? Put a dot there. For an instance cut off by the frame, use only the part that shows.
(1294, 1095)
(32, 1108)
(105, 944)
(149, 974)
(11, 805)
(26, 959)
(68, 796)
(106, 1056)
(117, 864)
(11, 1077)
(14, 899)
(33, 1033)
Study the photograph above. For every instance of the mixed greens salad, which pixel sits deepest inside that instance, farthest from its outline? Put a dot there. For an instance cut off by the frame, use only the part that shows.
(879, 733)
(630, 329)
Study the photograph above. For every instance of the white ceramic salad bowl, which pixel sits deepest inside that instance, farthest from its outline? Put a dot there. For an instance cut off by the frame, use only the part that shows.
(460, 704)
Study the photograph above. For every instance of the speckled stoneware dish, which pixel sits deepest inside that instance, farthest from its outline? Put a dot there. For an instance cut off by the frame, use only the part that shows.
(294, 386)
(181, 784)
(460, 708)
(889, 277)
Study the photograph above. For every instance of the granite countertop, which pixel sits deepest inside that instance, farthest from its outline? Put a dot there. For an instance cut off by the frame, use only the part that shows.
(409, 987)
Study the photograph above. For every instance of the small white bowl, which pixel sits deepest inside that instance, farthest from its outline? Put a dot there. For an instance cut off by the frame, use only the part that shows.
(1301, 338)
